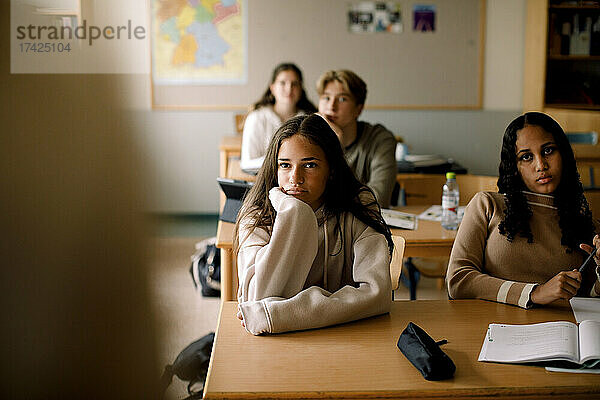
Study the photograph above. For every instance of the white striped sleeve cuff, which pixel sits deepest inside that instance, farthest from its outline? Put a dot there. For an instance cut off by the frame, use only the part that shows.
(593, 292)
(524, 300)
(524, 297)
(503, 291)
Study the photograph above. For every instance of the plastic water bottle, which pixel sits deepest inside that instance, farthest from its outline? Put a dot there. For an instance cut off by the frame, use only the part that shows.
(450, 197)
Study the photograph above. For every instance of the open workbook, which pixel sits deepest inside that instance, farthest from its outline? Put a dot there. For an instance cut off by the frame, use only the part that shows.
(548, 341)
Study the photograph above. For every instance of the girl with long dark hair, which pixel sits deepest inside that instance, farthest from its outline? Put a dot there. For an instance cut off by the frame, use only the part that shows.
(312, 248)
(284, 98)
(522, 246)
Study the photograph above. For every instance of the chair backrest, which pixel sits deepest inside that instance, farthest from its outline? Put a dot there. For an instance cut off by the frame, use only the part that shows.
(469, 185)
(396, 263)
(420, 189)
(424, 189)
(239, 123)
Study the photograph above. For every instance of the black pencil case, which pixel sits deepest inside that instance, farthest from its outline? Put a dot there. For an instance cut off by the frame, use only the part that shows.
(425, 354)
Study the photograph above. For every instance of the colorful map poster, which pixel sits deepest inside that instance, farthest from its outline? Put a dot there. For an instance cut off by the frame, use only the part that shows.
(199, 42)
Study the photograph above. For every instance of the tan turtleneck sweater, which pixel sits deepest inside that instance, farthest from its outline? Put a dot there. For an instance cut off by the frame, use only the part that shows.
(485, 265)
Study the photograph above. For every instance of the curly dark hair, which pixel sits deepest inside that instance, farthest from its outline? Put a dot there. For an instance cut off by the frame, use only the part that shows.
(575, 217)
(304, 104)
(343, 191)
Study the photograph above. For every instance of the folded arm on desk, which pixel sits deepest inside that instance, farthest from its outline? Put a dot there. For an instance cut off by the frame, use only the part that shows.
(273, 270)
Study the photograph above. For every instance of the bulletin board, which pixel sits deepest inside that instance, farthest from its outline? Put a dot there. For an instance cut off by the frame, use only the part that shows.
(442, 69)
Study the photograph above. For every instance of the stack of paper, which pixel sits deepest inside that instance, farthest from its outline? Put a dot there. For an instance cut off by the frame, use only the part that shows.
(586, 308)
(399, 219)
(426, 160)
(434, 213)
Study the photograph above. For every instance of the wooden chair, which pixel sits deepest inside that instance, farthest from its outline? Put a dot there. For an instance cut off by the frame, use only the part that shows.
(396, 263)
(423, 189)
(420, 189)
(469, 185)
(239, 123)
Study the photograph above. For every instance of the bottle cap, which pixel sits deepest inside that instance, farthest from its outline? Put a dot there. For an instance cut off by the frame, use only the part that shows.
(450, 175)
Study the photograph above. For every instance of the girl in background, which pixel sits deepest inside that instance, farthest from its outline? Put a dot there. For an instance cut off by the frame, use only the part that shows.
(312, 248)
(284, 98)
(522, 246)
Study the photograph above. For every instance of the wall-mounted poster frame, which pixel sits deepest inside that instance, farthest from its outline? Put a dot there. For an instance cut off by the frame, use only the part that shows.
(411, 70)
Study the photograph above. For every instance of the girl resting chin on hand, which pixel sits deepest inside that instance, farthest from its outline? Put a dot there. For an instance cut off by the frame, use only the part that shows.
(312, 248)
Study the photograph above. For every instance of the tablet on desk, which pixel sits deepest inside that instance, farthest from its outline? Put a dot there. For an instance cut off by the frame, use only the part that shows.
(234, 190)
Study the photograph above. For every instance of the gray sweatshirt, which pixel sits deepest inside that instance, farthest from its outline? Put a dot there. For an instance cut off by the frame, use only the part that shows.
(372, 157)
(305, 275)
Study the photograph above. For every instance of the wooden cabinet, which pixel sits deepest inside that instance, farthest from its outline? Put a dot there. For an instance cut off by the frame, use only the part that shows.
(562, 69)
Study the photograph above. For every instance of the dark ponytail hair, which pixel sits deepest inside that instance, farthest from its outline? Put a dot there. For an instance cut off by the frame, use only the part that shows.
(304, 104)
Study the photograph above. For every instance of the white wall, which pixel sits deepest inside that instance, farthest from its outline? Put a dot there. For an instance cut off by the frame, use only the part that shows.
(181, 147)
(504, 53)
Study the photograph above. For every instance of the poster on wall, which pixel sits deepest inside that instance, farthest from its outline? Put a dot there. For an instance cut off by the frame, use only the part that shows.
(424, 18)
(375, 17)
(199, 42)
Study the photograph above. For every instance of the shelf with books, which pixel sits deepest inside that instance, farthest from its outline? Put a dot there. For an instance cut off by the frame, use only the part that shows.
(573, 62)
(574, 31)
(562, 62)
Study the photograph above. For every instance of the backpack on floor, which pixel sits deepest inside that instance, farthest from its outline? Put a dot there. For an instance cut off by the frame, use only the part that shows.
(206, 268)
(190, 365)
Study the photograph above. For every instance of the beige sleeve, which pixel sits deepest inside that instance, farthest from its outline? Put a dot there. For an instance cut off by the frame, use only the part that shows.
(465, 277)
(275, 265)
(315, 307)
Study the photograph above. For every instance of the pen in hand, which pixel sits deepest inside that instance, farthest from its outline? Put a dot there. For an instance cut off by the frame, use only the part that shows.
(587, 260)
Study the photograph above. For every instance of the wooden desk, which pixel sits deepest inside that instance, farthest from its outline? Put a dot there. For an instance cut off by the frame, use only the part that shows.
(229, 153)
(361, 360)
(229, 278)
(429, 240)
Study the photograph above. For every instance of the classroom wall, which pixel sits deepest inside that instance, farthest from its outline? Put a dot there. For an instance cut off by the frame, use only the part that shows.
(182, 146)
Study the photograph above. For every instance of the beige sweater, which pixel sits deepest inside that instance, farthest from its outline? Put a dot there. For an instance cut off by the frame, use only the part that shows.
(485, 265)
(304, 275)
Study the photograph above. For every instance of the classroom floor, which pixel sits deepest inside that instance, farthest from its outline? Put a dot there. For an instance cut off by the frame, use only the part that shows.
(183, 315)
